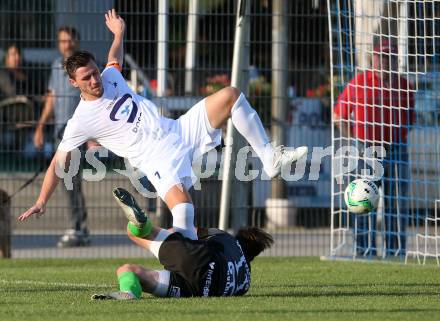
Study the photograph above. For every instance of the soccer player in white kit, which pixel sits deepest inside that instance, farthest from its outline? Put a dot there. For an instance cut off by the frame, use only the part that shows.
(129, 125)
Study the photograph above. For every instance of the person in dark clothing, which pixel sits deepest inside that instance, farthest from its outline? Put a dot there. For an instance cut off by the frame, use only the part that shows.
(16, 103)
(217, 264)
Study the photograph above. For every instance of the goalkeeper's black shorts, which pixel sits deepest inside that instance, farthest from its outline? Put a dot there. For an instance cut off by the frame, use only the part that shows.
(193, 264)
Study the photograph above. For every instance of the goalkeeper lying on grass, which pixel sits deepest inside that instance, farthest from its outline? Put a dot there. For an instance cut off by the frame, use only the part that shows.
(218, 264)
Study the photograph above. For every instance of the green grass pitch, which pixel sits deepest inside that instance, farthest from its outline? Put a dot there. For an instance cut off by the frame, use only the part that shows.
(282, 289)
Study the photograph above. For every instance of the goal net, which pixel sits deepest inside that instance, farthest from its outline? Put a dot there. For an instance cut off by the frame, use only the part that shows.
(386, 105)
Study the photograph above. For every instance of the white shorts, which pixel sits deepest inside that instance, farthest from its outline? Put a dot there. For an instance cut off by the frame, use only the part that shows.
(196, 131)
(197, 137)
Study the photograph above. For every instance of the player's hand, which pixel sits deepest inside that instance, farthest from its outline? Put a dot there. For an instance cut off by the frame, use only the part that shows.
(39, 138)
(114, 22)
(38, 209)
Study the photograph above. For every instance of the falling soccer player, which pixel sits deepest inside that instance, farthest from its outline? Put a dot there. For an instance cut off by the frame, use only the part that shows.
(218, 264)
(130, 126)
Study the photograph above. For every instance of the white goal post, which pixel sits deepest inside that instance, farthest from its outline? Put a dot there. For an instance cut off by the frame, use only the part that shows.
(385, 74)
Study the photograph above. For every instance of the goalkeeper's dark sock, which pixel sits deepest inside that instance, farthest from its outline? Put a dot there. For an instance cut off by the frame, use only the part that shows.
(129, 282)
(140, 231)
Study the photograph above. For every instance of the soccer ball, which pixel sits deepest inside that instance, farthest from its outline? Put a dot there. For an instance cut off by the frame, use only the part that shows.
(361, 196)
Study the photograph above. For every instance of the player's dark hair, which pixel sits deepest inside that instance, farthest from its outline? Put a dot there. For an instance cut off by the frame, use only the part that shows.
(71, 31)
(253, 241)
(77, 60)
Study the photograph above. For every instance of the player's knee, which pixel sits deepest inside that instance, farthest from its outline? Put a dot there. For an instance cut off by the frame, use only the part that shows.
(125, 268)
(229, 96)
(232, 93)
(130, 235)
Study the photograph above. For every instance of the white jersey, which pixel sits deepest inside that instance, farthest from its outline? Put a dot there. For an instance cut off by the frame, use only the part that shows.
(125, 123)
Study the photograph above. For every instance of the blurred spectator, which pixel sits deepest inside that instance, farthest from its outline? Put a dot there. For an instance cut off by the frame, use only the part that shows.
(62, 99)
(16, 109)
(13, 79)
(376, 108)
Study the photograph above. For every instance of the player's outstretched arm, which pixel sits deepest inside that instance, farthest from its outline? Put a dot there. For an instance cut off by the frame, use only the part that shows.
(49, 184)
(117, 26)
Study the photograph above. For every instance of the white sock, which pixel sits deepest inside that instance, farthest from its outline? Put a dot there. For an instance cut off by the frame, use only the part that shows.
(183, 220)
(249, 125)
(163, 283)
(157, 242)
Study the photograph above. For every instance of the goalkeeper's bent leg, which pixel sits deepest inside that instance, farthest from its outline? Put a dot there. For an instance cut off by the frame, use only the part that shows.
(140, 231)
(129, 282)
(152, 241)
(134, 279)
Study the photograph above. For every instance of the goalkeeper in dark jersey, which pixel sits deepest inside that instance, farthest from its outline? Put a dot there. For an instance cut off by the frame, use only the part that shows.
(217, 264)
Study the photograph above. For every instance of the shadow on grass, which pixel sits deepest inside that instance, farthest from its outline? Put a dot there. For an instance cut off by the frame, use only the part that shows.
(354, 285)
(51, 289)
(307, 311)
(372, 293)
(285, 291)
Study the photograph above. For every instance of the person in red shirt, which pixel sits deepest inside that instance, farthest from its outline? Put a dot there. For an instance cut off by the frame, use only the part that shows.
(376, 109)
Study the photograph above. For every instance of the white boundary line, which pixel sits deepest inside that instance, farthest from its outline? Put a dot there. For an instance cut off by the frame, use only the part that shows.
(61, 284)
